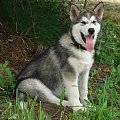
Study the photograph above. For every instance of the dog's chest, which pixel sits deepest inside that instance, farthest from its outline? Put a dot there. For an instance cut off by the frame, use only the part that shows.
(81, 62)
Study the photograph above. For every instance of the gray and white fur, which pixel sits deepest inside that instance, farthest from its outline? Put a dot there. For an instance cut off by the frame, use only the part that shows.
(66, 65)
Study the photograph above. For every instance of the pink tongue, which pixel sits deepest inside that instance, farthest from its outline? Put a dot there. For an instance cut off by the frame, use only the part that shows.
(89, 43)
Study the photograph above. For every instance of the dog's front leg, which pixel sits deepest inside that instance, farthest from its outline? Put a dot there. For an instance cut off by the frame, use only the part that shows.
(72, 90)
(83, 86)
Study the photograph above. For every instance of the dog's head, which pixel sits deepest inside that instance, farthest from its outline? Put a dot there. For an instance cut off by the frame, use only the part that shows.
(86, 25)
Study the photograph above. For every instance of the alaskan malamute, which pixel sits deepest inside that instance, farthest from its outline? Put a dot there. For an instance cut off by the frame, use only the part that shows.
(66, 65)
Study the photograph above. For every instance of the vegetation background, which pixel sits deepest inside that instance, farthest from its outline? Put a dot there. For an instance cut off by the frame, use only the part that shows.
(30, 26)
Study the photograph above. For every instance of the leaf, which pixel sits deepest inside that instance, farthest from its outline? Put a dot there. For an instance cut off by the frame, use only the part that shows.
(62, 96)
(118, 67)
(2, 81)
(13, 117)
(4, 65)
(9, 74)
(102, 107)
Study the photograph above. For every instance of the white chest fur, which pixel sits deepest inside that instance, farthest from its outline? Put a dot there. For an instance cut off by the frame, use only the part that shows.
(82, 60)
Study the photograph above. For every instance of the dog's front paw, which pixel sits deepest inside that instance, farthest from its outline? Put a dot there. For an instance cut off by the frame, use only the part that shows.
(88, 105)
(65, 103)
(84, 101)
(76, 108)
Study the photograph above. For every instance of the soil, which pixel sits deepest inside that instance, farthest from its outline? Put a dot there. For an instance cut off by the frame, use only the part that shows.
(19, 50)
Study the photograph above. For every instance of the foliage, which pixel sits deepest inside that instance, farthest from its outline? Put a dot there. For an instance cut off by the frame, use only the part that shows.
(108, 44)
(27, 113)
(41, 20)
(7, 81)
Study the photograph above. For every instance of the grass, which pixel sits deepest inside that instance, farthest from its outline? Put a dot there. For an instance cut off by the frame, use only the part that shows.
(7, 81)
(104, 93)
(108, 43)
(16, 113)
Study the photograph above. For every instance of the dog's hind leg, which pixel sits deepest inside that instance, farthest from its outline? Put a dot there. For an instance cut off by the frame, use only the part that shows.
(34, 87)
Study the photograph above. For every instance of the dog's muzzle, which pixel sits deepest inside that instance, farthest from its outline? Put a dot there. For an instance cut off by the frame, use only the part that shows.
(91, 31)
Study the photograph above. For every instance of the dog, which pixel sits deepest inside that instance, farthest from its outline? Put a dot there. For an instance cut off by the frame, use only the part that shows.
(66, 64)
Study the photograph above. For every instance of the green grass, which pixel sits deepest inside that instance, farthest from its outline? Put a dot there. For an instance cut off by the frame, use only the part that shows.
(106, 94)
(14, 112)
(7, 81)
(108, 44)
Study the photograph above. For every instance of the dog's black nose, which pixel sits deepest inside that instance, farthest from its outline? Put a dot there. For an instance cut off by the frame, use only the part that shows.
(91, 31)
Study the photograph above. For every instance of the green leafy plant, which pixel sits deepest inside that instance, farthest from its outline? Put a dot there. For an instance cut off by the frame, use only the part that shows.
(108, 45)
(7, 80)
(14, 111)
(62, 97)
(41, 20)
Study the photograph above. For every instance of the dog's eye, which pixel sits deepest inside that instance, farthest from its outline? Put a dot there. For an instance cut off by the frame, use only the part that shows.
(94, 22)
(83, 22)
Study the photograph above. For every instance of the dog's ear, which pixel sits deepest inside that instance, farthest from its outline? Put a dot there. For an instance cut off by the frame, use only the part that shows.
(99, 9)
(74, 13)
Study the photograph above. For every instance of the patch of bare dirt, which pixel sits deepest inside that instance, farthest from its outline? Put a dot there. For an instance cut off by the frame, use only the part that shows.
(103, 71)
(18, 51)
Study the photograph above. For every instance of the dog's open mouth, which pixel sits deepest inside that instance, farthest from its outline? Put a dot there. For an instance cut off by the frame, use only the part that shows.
(84, 37)
(89, 41)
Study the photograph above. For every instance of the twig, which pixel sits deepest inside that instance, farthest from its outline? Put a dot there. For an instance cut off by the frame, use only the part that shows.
(55, 114)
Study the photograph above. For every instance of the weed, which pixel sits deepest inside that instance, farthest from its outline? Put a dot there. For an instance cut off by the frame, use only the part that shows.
(7, 81)
(108, 45)
(14, 112)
